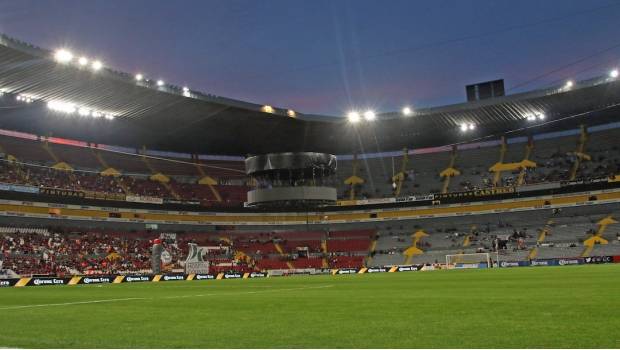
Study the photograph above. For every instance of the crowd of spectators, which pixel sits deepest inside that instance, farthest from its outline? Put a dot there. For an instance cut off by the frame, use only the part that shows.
(39, 176)
(77, 252)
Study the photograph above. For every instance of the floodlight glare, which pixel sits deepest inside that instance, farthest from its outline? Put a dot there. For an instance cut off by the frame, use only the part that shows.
(84, 112)
(61, 106)
(569, 84)
(613, 73)
(97, 65)
(407, 111)
(353, 117)
(109, 116)
(63, 56)
(541, 116)
(139, 77)
(83, 61)
(160, 83)
(472, 126)
(185, 89)
(369, 115)
(463, 127)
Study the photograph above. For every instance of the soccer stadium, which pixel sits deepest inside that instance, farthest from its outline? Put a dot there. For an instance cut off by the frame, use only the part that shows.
(137, 213)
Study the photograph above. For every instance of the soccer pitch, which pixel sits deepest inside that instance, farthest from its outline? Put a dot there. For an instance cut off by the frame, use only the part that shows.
(576, 306)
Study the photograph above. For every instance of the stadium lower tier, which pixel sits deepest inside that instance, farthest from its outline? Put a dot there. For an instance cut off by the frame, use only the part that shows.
(61, 247)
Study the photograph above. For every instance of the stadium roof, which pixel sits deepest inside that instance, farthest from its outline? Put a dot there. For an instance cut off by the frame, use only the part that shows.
(170, 118)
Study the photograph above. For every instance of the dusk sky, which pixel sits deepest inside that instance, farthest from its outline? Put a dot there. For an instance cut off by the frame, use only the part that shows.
(329, 56)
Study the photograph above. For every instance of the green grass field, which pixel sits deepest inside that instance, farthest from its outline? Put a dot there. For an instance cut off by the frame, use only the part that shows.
(577, 306)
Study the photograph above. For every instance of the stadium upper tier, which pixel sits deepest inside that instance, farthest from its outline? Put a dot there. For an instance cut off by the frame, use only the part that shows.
(43, 96)
(57, 164)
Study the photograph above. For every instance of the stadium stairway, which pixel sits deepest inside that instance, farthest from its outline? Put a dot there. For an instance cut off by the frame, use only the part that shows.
(541, 238)
(282, 254)
(449, 172)
(109, 171)
(160, 177)
(597, 237)
(371, 251)
(413, 250)
(208, 181)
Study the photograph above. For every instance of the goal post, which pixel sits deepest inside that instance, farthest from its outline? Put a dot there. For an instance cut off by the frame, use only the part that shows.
(473, 260)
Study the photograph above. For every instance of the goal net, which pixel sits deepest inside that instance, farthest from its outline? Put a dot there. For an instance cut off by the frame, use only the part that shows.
(464, 261)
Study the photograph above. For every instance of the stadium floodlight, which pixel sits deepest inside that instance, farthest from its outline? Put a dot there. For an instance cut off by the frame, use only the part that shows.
(97, 65)
(613, 73)
(84, 112)
(569, 84)
(160, 82)
(63, 56)
(530, 117)
(97, 114)
(61, 106)
(291, 113)
(267, 109)
(407, 111)
(353, 117)
(370, 115)
(186, 91)
(83, 61)
(109, 117)
(472, 126)
(139, 77)
(464, 127)
(541, 115)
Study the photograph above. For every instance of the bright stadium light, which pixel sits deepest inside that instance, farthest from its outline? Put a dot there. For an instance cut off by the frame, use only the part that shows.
(370, 115)
(109, 117)
(472, 126)
(160, 82)
(291, 113)
(569, 84)
(541, 116)
(353, 117)
(60, 106)
(186, 91)
(407, 111)
(97, 65)
(464, 127)
(63, 56)
(613, 73)
(139, 77)
(83, 61)
(97, 114)
(84, 112)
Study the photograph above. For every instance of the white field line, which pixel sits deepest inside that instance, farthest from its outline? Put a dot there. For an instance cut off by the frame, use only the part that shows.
(169, 297)
(71, 303)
